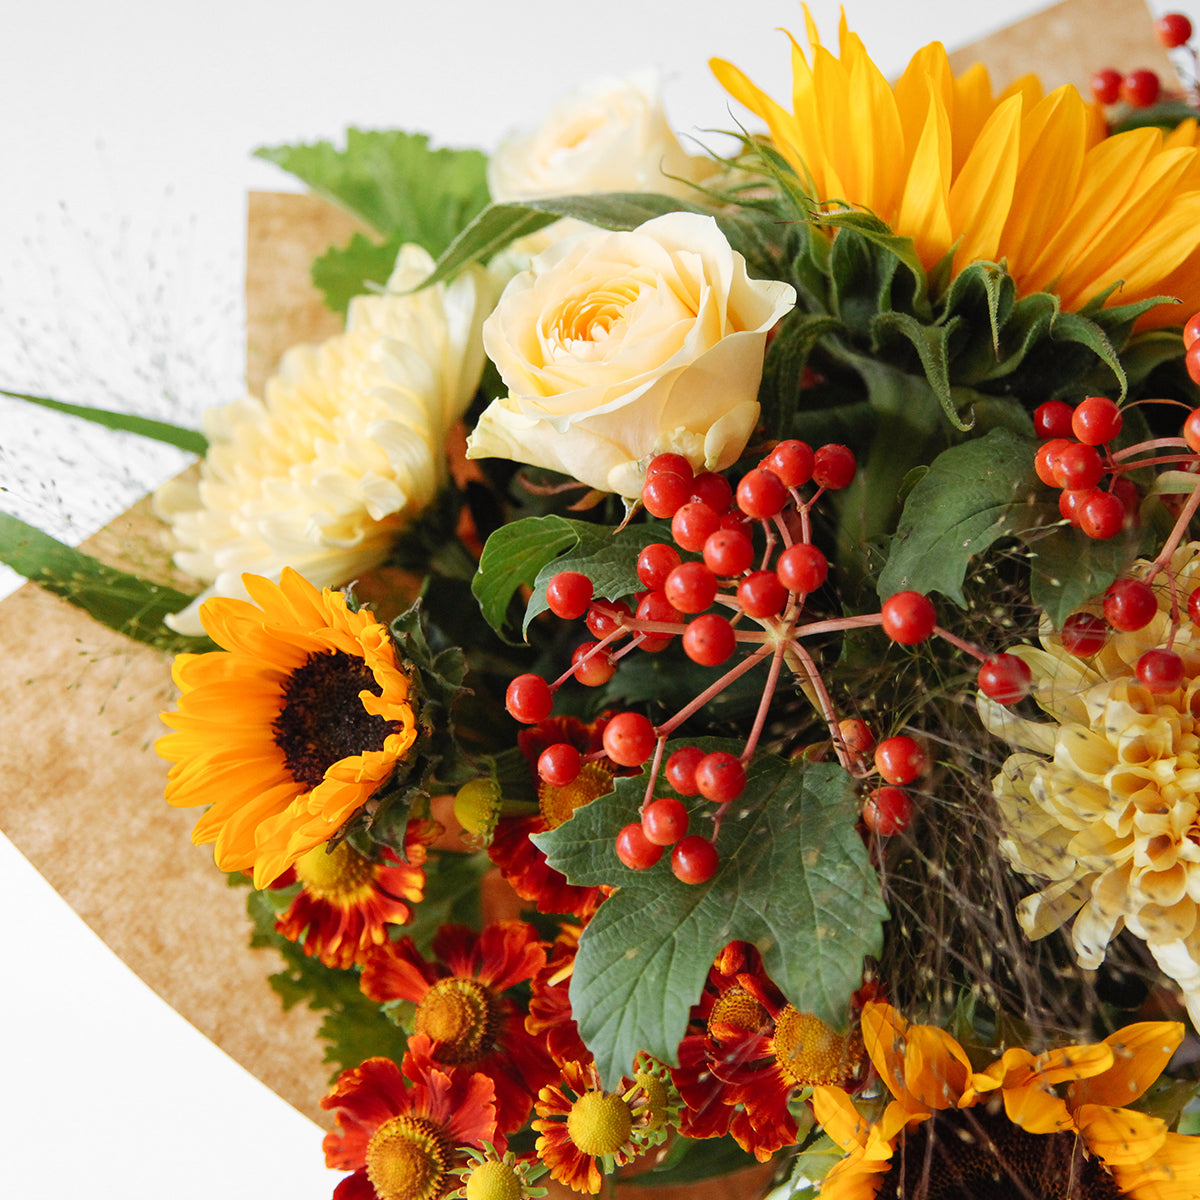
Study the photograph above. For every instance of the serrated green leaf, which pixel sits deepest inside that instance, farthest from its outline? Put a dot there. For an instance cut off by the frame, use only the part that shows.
(783, 368)
(1067, 568)
(191, 440)
(393, 181)
(794, 879)
(607, 557)
(972, 494)
(1072, 327)
(932, 344)
(512, 558)
(125, 603)
(878, 234)
(344, 272)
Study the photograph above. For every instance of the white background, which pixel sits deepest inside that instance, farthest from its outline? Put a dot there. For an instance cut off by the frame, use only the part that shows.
(125, 139)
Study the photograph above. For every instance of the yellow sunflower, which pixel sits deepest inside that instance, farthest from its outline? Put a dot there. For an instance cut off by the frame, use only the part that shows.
(1027, 178)
(289, 729)
(1006, 1131)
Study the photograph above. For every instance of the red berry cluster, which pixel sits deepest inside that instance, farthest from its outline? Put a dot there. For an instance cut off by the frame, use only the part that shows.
(1075, 457)
(1142, 88)
(1129, 605)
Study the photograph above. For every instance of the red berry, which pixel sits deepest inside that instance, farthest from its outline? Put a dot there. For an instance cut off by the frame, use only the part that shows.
(1071, 501)
(568, 594)
(663, 494)
(691, 587)
(635, 850)
(1194, 606)
(694, 860)
(1102, 515)
(887, 811)
(1191, 430)
(1106, 85)
(529, 699)
(1046, 457)
(1096, 420)
(802, 568)
(1052, 419)
(664, 821)
(654, 606)
(761, 594)
(1191, 330)
(761, 494)
(856, 734)
(908, 617)
(559, 764)
(1005, 679)
(714, 490)
(655, 563)
(672, 464)
(1160, 670)
(792, 461)
(720, 777)
(834, 466)
(709, 640)
(681, 769)
(602, 619)
(1129, 604)
(692, 524)
(901, 759)
(1173, 30)
(1140, 88)
(592, 669)
(1083, 634)
(728, 553)
(1127, 492)
(1078, 466)
(1191, 360)
(629, 739)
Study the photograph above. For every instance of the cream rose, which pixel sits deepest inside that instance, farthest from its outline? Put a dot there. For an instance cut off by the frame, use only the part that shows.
(610, 137)
(618, 346)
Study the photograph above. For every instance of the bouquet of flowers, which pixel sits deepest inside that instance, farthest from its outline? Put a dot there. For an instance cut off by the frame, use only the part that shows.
(703, 672)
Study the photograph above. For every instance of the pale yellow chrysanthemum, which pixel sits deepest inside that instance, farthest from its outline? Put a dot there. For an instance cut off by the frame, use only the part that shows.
(1102, 806)
(345, 448)
(1027, 178)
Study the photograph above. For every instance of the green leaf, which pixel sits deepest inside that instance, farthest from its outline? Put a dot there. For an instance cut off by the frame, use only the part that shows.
(394, 182)
(190, 440)
(783, 368)
(972, 494)
(794, 879)
(126, 603)
(1072, 327)
(875, 231)
(932, 344)
(512, 558)
(607, 557)
(344, 272)
(690, 1160)
(1067, 568)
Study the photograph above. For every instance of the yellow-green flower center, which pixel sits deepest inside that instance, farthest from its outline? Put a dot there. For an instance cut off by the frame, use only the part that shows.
(494, 1180)
(809, 1052)
(408, 1158)
(339, 876)
(460, 1015)
(599, 1123)
(737, 1007)
(558, 804)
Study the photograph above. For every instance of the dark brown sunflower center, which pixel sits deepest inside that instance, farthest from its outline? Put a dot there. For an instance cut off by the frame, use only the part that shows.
(460, 1015)
(322, 719)
(979, 1154)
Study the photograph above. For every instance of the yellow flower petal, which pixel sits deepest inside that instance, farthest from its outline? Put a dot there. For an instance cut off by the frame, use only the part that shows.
(1140, 1055)
(1120, 1136)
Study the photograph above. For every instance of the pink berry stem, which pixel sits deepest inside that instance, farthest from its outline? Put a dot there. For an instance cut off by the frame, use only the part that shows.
(760, 717)
(598, 648)
(1181, 523)
(813, 676)
(965, 647)
(654, 767)
(714, 689)
(1174, 443)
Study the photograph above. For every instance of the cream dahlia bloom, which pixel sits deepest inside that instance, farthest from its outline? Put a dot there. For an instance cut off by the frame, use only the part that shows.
(1102, 806)
(345, 448)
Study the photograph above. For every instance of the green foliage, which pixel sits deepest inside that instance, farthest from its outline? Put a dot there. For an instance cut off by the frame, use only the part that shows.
(452, 896)
(972, 495)
(354, 1027)
(690, 1160)
(794, 879)
(190, 440)
(125, 603)
(343, 272)
(1067, 567)
(393, 181)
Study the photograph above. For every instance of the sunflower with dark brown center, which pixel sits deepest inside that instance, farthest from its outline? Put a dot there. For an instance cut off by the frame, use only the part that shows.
(288, 730)
(1050, 1126)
